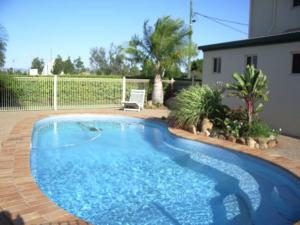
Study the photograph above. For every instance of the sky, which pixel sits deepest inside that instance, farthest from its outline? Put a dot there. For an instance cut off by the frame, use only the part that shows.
(72, 27)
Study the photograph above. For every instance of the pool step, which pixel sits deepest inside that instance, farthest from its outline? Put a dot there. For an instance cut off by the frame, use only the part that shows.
(286, 202)
(231, 208)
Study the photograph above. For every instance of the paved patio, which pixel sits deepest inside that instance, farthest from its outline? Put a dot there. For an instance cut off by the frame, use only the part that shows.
(21, 198)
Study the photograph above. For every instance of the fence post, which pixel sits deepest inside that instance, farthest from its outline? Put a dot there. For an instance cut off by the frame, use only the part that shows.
(55, 92)
(123, 89)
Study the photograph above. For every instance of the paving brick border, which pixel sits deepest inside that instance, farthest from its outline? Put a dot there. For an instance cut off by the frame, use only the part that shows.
(22, 198)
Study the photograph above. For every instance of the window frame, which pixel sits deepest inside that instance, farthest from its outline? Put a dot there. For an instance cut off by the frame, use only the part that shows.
(218, 65)
(292, 63)
(294, 3)
(252, 57)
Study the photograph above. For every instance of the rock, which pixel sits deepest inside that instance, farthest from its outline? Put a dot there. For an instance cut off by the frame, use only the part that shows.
(272, 143)
(257, 146)
(251, 142)
(194, 130)
(272, 137)
(171, 121)
(206, 126)
(169, 103)
(164, 118)
(214, 134)
(221, 137)
(207, 133)
(149, 103)
(231, 138)
(262, 141)
(263, 146)
(241, 141)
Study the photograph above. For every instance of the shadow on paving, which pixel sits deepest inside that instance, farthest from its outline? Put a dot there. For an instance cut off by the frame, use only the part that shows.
(7, 219)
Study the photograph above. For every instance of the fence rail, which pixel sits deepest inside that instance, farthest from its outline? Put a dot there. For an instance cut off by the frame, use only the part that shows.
(46, 93)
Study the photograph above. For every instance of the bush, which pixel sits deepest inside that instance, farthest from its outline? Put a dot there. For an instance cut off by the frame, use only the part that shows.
(232, 122)
(260, 129)
(195, 103)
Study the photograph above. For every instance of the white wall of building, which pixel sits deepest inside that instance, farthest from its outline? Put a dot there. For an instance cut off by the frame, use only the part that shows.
(283, 108)
(33, 72)
(269, 17)
(48, 68)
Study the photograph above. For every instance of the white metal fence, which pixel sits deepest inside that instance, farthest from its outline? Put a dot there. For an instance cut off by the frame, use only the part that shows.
(44, 93)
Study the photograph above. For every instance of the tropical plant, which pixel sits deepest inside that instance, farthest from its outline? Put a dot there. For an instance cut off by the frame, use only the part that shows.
(233, 127)
(251, 87)
(38, 64)
(195, 103)
(261, 129)
(3, 39)
(163, 45)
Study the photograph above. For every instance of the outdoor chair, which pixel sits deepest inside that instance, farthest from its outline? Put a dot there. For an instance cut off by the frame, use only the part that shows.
(136, 101)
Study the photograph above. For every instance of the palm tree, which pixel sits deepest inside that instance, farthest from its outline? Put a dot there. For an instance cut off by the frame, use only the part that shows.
(3, 38)
(164, 46)
(252, 88)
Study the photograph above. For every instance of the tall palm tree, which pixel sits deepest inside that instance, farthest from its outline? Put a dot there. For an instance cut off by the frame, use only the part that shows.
(3, 38)
(163, 45)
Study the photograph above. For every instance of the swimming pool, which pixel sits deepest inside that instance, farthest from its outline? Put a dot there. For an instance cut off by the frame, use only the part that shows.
(122, 170)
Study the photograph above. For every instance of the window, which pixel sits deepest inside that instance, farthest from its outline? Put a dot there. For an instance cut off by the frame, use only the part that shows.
(296, 63)
(251, 60)
(217, 65)
(296, 3)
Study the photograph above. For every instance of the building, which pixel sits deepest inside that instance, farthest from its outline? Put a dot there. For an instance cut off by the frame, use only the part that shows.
(33, 72)
(274, 47)
(47, 70)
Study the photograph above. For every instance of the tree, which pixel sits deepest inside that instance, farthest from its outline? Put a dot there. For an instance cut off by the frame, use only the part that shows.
(68, 66)
(164, 45)
(38, 63)
(116, 60)
(58, 65)
(252, 88)
(79, 65)
(98, 60)
(3, 39)
(2, 53)
(108, 62)
(197, 68)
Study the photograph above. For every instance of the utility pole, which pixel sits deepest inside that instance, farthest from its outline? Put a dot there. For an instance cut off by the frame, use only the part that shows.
(190, 42)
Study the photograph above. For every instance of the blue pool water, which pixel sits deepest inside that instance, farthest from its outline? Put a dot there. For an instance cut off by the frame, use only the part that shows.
(121, 170)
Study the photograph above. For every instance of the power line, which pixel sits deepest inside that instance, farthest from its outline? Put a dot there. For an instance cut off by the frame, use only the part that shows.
(218, 20)
(222, 20)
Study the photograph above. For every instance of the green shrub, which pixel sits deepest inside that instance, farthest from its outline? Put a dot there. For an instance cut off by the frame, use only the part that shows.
(260, 129)
(232, 122)
(195, 103)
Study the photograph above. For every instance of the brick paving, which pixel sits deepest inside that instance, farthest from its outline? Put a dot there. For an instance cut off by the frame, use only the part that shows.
(21, 200)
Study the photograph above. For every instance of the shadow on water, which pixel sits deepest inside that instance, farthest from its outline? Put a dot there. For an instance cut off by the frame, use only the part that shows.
(6, 219)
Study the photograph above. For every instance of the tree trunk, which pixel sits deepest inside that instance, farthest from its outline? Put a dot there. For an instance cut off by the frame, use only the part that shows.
(249, 105)
(158, 92)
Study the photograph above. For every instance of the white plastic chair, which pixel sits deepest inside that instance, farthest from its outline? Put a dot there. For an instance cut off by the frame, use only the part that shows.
(136, 101)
